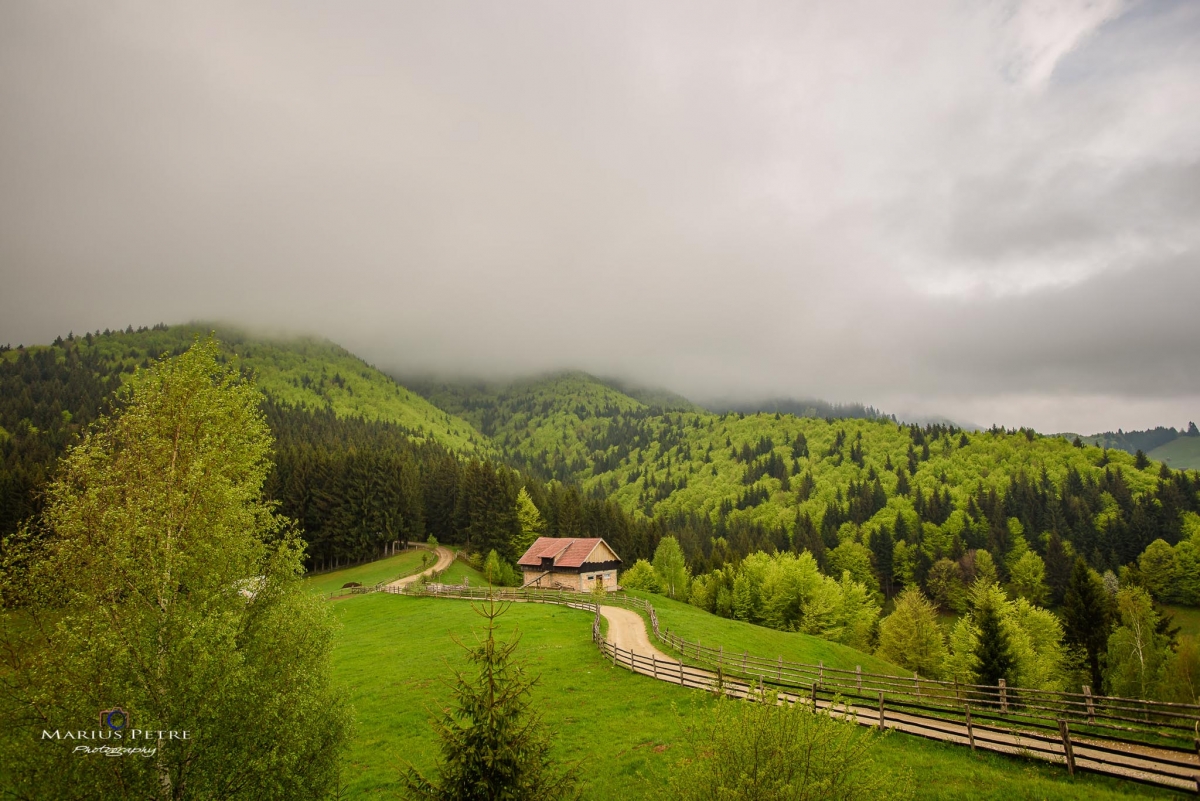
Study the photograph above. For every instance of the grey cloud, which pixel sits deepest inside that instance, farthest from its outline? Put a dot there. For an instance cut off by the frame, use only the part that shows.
(955, 209)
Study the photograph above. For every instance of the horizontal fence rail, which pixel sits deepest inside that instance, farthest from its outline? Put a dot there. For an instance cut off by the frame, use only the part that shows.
(1127, 738)
(1150, 721)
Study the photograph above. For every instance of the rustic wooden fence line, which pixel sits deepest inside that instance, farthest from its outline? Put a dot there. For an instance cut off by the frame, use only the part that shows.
(1109, 716)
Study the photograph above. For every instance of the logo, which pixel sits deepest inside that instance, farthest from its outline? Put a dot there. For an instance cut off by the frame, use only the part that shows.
(115, 725)
(115, 719)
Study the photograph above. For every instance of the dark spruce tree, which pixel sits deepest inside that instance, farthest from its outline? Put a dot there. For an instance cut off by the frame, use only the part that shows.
(493, 742)
(993, 650)
(1087, 620)
(1058, 568)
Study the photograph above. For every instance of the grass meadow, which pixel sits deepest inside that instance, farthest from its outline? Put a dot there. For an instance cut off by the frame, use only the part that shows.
(395, 655)
(393, 567)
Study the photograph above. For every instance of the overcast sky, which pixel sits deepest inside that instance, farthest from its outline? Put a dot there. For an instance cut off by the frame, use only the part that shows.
(986, 210)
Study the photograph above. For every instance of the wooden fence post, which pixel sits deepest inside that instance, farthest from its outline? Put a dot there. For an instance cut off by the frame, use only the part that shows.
(780, 676)
(1003, 697)
(821, 670)
(744, 655)
(1065, 732)
(858, 676)
(1091, 709)
(681, 684)
(720, 655)
(654, 664)
(881, 710)
(917, 684)
(970, 729)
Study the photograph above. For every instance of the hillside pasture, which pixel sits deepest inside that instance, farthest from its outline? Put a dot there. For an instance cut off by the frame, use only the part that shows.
(734, 636)
(395, 655)
(369, 574)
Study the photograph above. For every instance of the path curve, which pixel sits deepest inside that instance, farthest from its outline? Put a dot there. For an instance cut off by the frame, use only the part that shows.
(627, 630)
(445, 557)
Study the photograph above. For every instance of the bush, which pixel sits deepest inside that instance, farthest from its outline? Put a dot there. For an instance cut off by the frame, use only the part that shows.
(765, 752)
(641, 577)
(500, 573)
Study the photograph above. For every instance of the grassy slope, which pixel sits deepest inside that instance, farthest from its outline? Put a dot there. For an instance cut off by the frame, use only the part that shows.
(371, 573)
(1186, 618)
(735, 636)
(1181, 454)
(304, 372)
(394, 653)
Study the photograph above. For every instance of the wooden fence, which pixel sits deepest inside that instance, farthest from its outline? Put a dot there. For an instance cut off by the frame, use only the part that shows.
(1133, 739)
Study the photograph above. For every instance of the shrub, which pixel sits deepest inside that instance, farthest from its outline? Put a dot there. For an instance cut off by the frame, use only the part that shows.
(768, 752)
(641, 577)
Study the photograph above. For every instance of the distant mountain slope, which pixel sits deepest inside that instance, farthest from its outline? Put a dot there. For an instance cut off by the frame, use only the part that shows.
(1178, 448)
(800, 407)
(49, 395)
(557, 426)
(305, 372)
(777, 480)
(1133, 441)
(1181, 453)
(654, 397)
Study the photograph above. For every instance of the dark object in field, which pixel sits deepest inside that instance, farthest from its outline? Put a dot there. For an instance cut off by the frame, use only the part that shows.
(350, 584)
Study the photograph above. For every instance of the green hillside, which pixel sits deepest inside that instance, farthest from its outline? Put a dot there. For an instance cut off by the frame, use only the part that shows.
(764, 480)
(1182, 453)
(304, 372)
(555, 425)
(342, 428)
(696, 625)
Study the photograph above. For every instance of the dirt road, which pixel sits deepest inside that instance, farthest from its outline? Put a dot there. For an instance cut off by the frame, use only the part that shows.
(444, 558)
(627, 630)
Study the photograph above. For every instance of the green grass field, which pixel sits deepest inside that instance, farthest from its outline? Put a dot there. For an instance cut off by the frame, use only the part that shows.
(1187, 618)
(395, 653)
(734, 636)
(371, 573)
(1182, 453)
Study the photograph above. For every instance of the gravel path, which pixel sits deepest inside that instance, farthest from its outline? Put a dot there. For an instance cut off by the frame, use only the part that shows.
(627, 630)
(444, 558)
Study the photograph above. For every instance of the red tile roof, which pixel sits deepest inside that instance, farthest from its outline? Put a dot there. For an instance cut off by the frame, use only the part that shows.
(566, 551)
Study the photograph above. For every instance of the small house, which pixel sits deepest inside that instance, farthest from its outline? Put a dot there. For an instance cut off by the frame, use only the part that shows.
(570, 563)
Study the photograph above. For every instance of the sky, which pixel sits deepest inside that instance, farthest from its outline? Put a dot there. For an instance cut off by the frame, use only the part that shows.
(983, 210)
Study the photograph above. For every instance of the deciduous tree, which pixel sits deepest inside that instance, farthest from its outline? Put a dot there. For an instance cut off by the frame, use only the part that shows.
(166, 585)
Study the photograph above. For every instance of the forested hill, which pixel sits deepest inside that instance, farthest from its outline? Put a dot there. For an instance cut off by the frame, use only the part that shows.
(299, 371)
(48, 394)
(559, 426)
(780, 481)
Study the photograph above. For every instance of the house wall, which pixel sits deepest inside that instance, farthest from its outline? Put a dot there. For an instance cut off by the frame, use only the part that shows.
(551, 581)
(579, 582)
(587, 579)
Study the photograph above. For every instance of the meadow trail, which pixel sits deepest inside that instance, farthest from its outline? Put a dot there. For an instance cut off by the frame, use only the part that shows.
(627, 631)
(445, 557)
